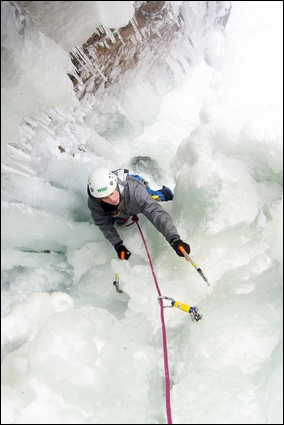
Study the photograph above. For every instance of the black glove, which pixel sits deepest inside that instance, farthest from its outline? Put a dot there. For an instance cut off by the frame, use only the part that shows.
(122, 252)
(175, 243)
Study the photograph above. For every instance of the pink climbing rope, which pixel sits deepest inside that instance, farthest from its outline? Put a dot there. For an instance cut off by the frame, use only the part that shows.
(166, 366)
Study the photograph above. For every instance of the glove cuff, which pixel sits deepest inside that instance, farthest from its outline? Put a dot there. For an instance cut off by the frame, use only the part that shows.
(174, 239)
(116, 246)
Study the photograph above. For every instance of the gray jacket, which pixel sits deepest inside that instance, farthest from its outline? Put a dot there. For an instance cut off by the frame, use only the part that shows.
(134, 199)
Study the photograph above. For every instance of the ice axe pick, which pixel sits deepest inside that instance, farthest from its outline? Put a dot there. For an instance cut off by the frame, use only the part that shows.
(188, 258)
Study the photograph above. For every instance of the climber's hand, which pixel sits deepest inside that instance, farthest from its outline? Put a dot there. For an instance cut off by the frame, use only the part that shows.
(176, 243)
(122, 251)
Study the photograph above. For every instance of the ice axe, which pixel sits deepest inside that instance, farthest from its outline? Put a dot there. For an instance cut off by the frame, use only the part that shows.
(188, 258)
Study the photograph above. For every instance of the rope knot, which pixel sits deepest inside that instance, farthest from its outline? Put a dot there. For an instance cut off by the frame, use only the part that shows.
(134, 220)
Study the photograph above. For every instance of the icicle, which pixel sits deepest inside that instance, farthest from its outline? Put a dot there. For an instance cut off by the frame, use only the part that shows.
(173, 10)
(119, 36)
(101, 28)
(106, 44)
(83, 56)
(93, 53)
(109, 34)
(92, 66)
(137, 33)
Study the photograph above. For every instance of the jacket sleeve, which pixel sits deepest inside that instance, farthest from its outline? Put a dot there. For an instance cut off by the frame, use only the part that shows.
(153, 211)
(104, 223)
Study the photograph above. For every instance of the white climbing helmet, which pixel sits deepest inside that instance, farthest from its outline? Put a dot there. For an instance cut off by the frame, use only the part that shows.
(101, 183)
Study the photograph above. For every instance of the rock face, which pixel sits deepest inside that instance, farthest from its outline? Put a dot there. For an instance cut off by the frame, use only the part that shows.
(110, 53)
(156, 29)
(118, 75)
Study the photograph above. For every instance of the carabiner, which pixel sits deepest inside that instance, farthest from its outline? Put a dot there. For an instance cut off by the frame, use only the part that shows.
(165, 298)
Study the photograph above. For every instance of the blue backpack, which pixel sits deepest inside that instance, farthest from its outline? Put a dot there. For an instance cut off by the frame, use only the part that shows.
(164, 194)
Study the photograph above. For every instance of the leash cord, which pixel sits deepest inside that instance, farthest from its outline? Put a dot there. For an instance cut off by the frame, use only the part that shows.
(166, 366)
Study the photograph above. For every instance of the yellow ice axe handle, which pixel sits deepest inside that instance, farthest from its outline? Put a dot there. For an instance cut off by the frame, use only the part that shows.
(181, 306)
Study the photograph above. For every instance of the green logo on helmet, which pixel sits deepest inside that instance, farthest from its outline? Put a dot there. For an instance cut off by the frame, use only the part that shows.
(103, 189)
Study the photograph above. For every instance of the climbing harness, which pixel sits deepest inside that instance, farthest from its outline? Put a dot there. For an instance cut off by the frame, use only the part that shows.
(193, 311)
(188, 258)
